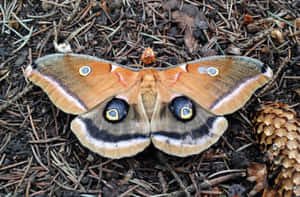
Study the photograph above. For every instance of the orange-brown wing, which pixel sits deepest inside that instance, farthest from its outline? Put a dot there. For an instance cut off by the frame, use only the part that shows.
(181, 127)
(118, 127)
(220, 84)
(77, 83)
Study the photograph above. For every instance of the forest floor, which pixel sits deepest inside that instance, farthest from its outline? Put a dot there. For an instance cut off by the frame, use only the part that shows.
(39, 154)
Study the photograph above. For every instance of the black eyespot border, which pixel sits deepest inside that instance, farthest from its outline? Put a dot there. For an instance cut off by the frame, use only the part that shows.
(171, 108)
(121, 116)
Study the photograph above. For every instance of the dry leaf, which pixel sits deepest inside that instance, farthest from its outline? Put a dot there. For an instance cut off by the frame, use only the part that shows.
(277, 35)
(191, 20)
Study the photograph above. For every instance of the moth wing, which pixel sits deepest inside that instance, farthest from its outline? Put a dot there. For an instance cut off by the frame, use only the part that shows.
(220, 84)
(115, 139)
(216, 86)
(183, 138)
(74, 90)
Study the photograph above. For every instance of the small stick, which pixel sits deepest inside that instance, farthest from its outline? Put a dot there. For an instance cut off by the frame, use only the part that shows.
(75, 9)
(26, 39)
(177, 178)
(25, 174)
(13, 165)
(36, 156)
(32, 124)
(43, 16)
(18, 96)
(270, 84)
(74, 33)
(255, 46)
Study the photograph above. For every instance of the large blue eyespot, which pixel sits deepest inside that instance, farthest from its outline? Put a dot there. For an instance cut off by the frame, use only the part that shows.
(116, 110)
(182, 108)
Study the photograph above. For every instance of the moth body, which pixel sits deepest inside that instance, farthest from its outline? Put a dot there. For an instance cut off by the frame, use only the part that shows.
(148, 90)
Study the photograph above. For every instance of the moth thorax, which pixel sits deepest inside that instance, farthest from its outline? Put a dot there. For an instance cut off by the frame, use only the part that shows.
(149, 100)
(149, 93)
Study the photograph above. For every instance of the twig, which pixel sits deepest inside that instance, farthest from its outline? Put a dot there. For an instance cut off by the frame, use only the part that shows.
(18, 96)
(209, 183)
(43, 16)
(270, 84)
(49, 140)
(126, 193)
(7, 140)
(13, 165)
(26, 39)
(281, 19)
(25, 174)
(35, 154)
(151, 36)
(20, 21)
(75, 9)
(255, 39)
(177, 178)
(74, 33)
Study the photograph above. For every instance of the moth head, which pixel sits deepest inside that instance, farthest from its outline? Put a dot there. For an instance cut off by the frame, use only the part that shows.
(116, 110)
(182, 108)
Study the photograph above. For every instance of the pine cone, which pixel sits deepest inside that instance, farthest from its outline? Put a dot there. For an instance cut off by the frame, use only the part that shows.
(278, 133)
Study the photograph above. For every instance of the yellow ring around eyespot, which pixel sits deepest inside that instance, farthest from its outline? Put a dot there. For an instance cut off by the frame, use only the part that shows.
(85, 70)
(109, 117)
(212, 71)
(187, 116)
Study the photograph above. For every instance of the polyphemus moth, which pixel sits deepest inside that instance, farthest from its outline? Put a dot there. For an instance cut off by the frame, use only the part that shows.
(122, 110)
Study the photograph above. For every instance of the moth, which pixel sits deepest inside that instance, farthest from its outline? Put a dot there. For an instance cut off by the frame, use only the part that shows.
(121, 110)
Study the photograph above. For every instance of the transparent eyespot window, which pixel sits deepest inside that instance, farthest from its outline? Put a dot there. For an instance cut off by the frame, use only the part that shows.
(186, 112)
(112, 114)
(182, 108)
(212, 71)
(116, 110)
(85, 70)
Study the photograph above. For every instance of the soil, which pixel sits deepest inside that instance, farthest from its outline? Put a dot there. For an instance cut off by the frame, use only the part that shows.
(39, 154)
